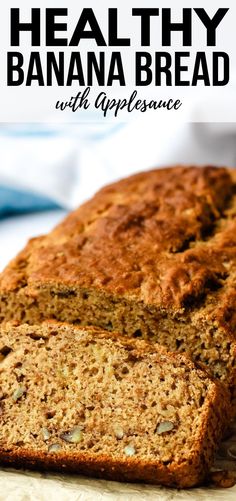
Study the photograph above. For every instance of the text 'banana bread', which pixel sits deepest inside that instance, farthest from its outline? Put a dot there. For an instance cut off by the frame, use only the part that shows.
(151, 256)
(83, 400)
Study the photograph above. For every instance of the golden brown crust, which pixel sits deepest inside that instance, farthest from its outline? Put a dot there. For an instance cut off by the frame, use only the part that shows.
(129, 470)
(164, 238)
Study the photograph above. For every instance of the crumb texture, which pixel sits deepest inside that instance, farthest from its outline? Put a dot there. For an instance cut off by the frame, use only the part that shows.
(152, 256)
(79, 397)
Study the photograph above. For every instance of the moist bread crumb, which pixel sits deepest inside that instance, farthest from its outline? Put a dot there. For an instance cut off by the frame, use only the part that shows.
(83, 400)
(151, 256)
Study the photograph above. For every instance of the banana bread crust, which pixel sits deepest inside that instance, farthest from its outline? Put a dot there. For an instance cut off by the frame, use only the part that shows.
(148, 256)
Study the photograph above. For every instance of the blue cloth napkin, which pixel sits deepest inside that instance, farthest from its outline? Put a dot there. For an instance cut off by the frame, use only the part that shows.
(14, 201)
(48, 157)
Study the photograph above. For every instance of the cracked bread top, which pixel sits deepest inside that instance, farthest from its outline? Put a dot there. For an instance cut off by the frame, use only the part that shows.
(166, 237)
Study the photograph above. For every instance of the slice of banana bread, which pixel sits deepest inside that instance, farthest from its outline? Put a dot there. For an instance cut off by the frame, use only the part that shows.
(84, 400)
(152, 256)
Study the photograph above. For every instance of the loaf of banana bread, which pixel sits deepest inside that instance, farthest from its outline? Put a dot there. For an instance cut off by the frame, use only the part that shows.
(151, 256)
(84, 400)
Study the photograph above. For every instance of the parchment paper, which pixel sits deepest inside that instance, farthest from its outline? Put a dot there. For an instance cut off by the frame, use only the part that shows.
(34, 486)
